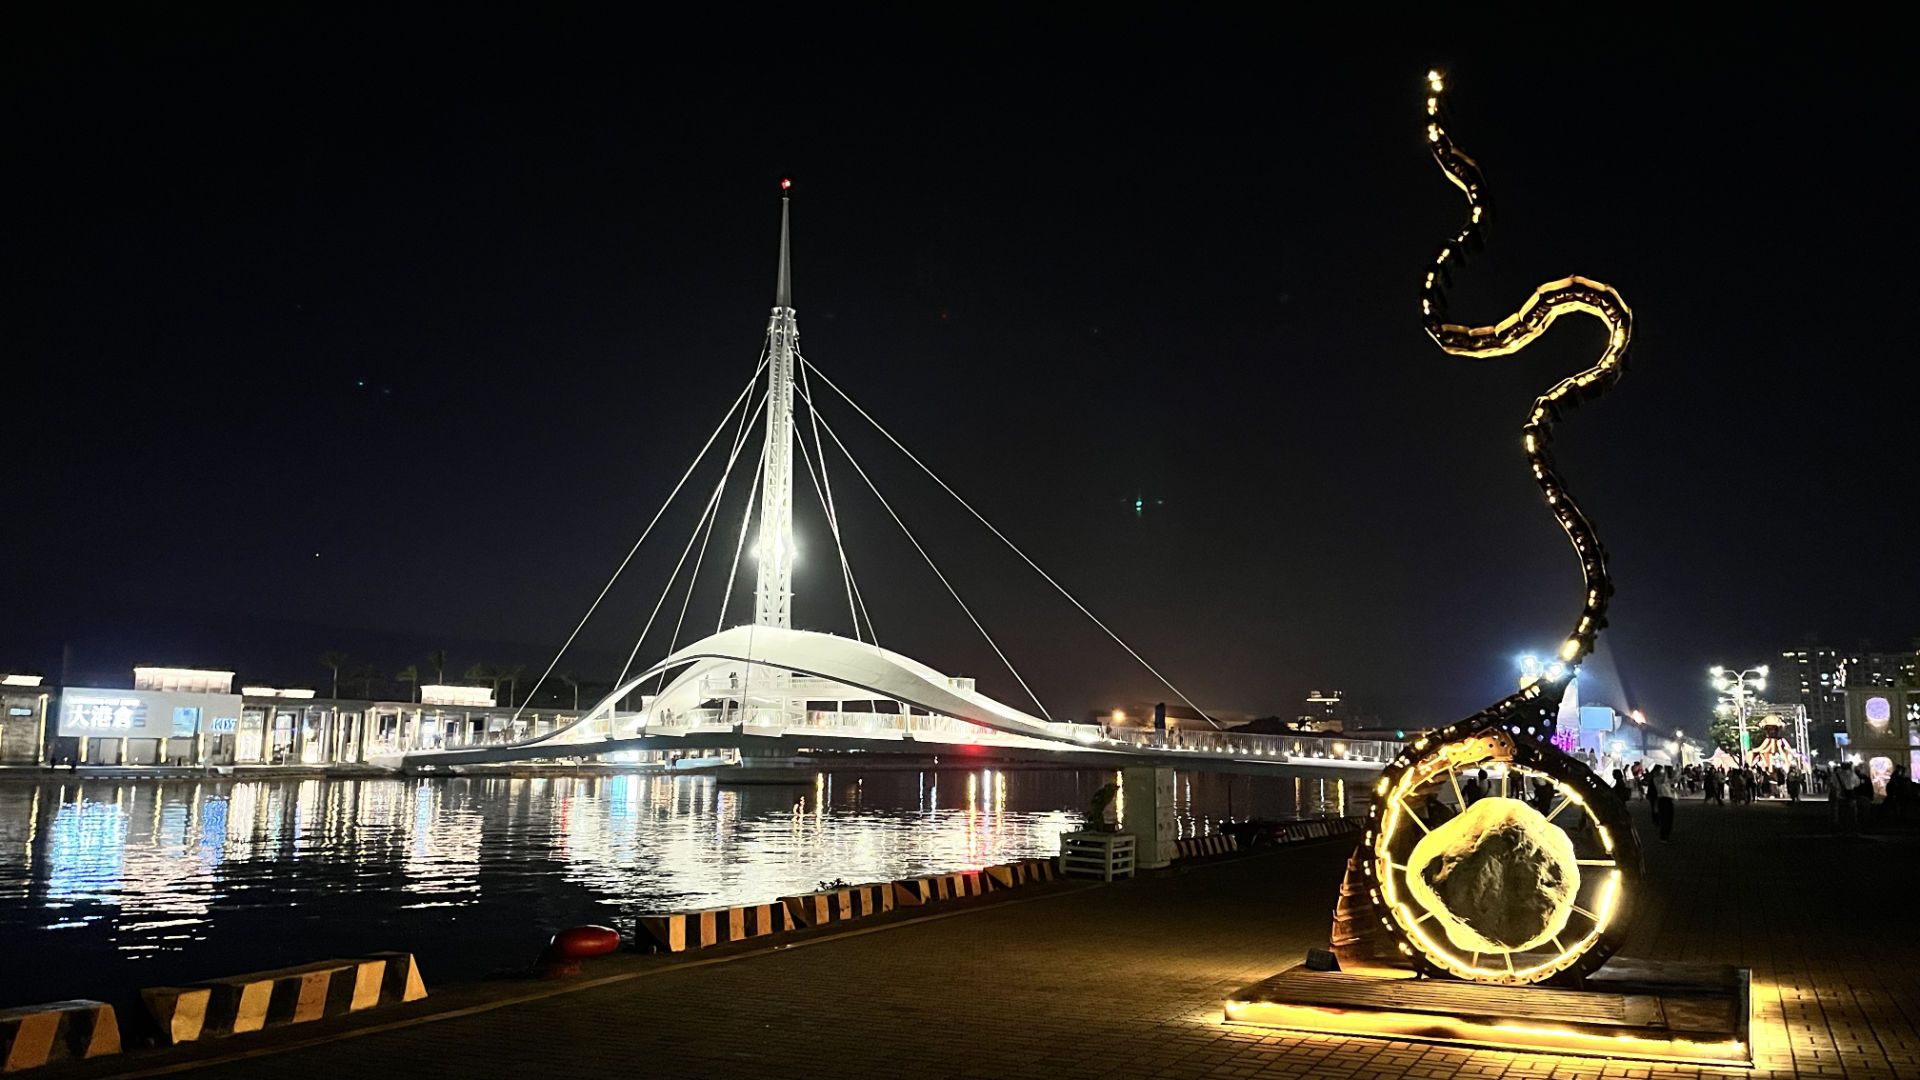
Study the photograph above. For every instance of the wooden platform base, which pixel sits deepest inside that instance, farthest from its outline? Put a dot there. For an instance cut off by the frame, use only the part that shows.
(1629, 1009)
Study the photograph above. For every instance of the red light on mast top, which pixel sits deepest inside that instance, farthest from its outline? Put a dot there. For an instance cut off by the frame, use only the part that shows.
(785, 184)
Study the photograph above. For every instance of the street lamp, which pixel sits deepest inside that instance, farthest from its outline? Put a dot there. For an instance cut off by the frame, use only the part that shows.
(1532, 670)
(1685, 747)
(1737, 685)
(1640, 725)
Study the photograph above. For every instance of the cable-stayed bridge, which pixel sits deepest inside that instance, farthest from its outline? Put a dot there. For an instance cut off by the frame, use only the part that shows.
(770, 690)
(840, 695)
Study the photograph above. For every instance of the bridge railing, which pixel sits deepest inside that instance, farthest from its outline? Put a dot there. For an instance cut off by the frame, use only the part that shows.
(1254, 745)
(761, 720)
(881, 725)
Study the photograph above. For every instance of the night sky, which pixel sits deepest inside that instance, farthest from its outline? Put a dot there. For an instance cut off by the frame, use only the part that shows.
(343, 331)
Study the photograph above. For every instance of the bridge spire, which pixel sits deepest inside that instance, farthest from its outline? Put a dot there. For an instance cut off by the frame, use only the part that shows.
(783, 289)
(773, 595)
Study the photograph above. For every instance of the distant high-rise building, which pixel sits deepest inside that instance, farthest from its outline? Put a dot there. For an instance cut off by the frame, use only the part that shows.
(1326, 705)
(1816, 679)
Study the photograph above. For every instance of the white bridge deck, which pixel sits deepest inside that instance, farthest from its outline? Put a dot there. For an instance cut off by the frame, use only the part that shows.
(920, 734)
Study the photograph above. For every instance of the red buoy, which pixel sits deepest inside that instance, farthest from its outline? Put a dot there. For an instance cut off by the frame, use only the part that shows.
(581, 942)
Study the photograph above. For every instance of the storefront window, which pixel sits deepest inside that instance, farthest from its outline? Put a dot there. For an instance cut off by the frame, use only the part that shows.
(250, 743)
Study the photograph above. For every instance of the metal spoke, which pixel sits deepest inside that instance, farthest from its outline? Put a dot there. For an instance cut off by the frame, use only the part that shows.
(1401, 801)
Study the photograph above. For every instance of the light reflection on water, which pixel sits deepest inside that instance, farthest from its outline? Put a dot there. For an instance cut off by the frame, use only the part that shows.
(112, 885)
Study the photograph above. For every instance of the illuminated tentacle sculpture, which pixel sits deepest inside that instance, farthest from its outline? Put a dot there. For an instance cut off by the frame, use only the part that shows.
(1531, 877)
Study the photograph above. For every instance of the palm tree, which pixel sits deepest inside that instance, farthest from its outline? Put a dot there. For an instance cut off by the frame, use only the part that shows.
(569, 679)
(366, 675)
(437, 659)
(333, 660)
(411, 676)
(511, 675)
(481, 673)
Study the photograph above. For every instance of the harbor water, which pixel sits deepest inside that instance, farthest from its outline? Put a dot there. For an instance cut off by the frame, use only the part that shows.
(110, 885)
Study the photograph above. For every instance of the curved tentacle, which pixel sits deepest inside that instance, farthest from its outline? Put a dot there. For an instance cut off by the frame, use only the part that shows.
(1372, 930)
(1569, 295)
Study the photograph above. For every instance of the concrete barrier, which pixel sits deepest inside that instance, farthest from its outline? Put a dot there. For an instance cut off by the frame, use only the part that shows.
(839, 905)
(1196, 846)
(240, 1004)
(1018, 873)
(57, 1031)
(925, 890)
(681, 931)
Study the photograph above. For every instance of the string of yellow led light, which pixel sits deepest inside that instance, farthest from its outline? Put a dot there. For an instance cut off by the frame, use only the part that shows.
(1566, 296)
(1374, 925)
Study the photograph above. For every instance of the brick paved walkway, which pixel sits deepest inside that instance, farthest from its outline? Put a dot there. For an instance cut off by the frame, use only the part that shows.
(1127, 981)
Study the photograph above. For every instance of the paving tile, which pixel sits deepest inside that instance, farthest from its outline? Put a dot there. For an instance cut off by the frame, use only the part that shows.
(1126, 981)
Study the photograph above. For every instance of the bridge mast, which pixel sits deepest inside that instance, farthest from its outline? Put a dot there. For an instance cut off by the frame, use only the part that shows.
(773, 595)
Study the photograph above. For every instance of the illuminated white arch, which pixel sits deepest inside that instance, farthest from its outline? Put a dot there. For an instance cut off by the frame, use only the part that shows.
(866, 669)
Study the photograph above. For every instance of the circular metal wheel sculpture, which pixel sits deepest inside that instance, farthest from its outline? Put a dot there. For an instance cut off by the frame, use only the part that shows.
(1534, 879)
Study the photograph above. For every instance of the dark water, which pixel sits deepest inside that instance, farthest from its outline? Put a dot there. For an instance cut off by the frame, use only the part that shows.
(107, 886)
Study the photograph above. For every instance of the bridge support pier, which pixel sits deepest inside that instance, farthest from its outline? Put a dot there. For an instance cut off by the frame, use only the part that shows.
(1148, 794)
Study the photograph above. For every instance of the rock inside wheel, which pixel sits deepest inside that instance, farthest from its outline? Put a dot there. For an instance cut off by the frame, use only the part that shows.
(1492, 857)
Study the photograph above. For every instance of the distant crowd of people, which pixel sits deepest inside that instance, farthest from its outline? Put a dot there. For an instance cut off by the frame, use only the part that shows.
(1658, 785)
(1848, 788)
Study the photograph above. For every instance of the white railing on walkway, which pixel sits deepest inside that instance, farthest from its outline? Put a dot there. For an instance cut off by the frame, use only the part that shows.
(924, 727)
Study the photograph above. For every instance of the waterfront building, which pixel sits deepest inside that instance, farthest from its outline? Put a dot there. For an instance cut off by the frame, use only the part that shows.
(23, 719)
(1326, 711)
(185, 717)
(167, 718)
(176, 680)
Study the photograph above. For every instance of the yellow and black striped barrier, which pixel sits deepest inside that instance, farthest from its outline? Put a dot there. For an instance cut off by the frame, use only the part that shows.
(1318, 829)
(925, 890)
(57, 1031)
(839, 905)
(1196, 846)
(1015, 874)
(1291, 832)
(681, 931)
(243, 1003)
